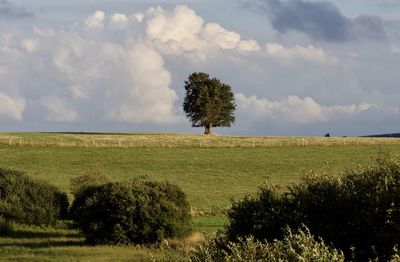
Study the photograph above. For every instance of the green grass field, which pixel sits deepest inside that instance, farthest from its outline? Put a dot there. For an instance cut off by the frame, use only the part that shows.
(210, 175)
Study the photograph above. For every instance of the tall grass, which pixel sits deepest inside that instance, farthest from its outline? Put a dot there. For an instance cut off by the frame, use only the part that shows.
(140, 140)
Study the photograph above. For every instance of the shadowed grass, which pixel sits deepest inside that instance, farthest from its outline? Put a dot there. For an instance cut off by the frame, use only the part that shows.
(31, 243)
(74, 253)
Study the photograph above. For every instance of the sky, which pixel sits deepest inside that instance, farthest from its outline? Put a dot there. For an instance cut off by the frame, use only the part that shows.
(296, 67)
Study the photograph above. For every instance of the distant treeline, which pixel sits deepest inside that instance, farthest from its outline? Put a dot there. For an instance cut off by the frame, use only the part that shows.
(385, 135)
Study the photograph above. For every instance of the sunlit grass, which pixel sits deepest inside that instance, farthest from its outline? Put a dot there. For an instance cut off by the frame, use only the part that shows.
(209, 224)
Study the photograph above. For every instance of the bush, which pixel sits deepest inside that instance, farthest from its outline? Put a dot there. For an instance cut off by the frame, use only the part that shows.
(359, 212)
(92, 179)
(294, 247)
(264, 217)
(27, 201)
(139, 212)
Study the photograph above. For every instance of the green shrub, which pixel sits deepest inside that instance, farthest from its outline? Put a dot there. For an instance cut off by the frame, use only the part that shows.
(293, 247)
(359, 212)
(93, 179)
(265, 217)
(27, 201)
(139, 211)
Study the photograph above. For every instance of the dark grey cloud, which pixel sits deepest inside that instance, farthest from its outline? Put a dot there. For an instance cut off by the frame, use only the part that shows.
(9, 10)
(320, 20)
(368, 26)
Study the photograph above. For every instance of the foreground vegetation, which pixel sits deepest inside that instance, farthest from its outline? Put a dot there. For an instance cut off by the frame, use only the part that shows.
(295, 246)
(358, 213)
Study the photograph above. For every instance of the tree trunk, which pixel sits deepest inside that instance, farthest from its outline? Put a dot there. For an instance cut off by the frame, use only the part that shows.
(207, 129)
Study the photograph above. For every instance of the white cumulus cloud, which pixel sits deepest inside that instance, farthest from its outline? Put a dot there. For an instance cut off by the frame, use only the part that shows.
(180, 25)
(126, 82)
(139, 16)
(295, 109)
(146, 97)
(3, 70)
(30, 45)
(96, 20)
(184, 31)
(58, 110)
(119, 20)
(395, 49)
(249, 46)
(309, 53)
(216, 34)
(11, 107)
(79, 75)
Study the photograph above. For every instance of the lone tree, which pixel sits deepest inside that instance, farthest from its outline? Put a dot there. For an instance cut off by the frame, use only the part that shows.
(208, 102)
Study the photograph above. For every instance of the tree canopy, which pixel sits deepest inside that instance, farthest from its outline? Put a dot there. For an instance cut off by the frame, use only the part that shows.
(208, 102)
